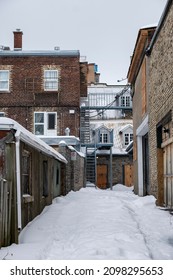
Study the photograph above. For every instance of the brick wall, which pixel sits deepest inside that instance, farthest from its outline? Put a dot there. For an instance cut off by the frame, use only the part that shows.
(161, 90)
(27, 91)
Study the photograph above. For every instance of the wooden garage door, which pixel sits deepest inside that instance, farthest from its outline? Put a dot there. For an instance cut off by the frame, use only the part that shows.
(102, 175)
(128, 175)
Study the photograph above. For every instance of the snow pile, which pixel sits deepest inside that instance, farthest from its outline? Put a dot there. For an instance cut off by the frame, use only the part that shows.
(94, 224)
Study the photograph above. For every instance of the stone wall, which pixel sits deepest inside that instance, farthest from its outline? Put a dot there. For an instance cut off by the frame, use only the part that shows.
(160, 91)
(75, 177)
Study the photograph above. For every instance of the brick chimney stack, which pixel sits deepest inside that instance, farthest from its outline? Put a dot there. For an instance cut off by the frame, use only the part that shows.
(18, 39)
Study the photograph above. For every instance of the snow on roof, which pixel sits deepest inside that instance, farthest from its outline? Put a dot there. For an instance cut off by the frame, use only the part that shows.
(123, 128)
(149, 26)
(115, 151)
(29, 138)
(114, 89)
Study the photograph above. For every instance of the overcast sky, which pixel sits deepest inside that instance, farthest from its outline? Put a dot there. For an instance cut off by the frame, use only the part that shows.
(104, 31)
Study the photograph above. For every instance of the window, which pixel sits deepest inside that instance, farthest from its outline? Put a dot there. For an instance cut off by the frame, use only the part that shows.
(103, 138)
(4, 80)
(125, 101)
(45, 123)
(2, 114)
(26, 172)
(51, 80)
(45, 178)
(128, 137)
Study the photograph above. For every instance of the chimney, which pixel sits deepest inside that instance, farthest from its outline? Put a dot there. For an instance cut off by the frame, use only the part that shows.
(18, 40)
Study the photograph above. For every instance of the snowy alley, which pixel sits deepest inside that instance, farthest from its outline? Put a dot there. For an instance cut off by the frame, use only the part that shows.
(97, 224)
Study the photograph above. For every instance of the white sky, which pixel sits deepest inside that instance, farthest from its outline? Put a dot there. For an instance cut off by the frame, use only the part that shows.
(104, 31)
(94, 224)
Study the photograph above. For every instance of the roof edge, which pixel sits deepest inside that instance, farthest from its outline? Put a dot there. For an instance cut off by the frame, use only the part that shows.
(159, 27)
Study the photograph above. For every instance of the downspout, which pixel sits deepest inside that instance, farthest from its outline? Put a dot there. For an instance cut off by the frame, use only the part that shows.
(19, 215)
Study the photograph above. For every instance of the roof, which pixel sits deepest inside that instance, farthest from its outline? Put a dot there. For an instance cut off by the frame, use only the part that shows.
(55, 140)
(144, 36)
(29, 138)
(58, 53)
(125, 127)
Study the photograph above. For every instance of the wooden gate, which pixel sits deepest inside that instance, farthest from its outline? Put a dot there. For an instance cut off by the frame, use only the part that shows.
(128, 175)
(168, 175)
(102, 176)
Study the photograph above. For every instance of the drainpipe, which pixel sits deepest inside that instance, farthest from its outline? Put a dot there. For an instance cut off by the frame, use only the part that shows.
(19, 216)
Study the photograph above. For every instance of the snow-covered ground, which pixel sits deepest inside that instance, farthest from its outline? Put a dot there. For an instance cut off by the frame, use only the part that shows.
(94, 224)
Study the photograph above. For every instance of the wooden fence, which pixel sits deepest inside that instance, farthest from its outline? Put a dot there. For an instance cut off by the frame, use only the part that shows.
(5, 212)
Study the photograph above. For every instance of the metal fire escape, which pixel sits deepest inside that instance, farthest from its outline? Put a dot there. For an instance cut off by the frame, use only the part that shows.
(85, 142)
(101, 102)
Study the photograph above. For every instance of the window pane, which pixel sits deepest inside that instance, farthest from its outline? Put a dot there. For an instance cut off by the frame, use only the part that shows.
(51, 85)
(39, 129)
(105, 138)
(39, 117)
(51, 74)
(128, 101)
(122, 101)
(3, 85)
(4, 80)
(126, 139)
(4, 75)
(51, 121)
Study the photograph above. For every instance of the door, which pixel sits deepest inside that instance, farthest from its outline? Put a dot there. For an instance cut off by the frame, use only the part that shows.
(168, 175)
(146, 164)
(102, 175)
(128, 175)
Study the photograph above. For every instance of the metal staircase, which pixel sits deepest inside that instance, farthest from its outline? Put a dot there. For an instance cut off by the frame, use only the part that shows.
(91, 164)
(89, 147)
(84, 126)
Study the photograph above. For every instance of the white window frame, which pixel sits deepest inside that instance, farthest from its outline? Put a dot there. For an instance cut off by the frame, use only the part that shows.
(47, 131)
(125, 101)
(4, 81)
(104, 137)
(129, 137)
(51, 81)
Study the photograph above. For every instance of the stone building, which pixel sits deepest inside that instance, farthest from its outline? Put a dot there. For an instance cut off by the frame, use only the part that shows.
(160, 54)
(138, 77)
(151, 77)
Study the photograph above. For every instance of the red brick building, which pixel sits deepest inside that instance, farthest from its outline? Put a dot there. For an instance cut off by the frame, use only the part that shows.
(41, 89)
